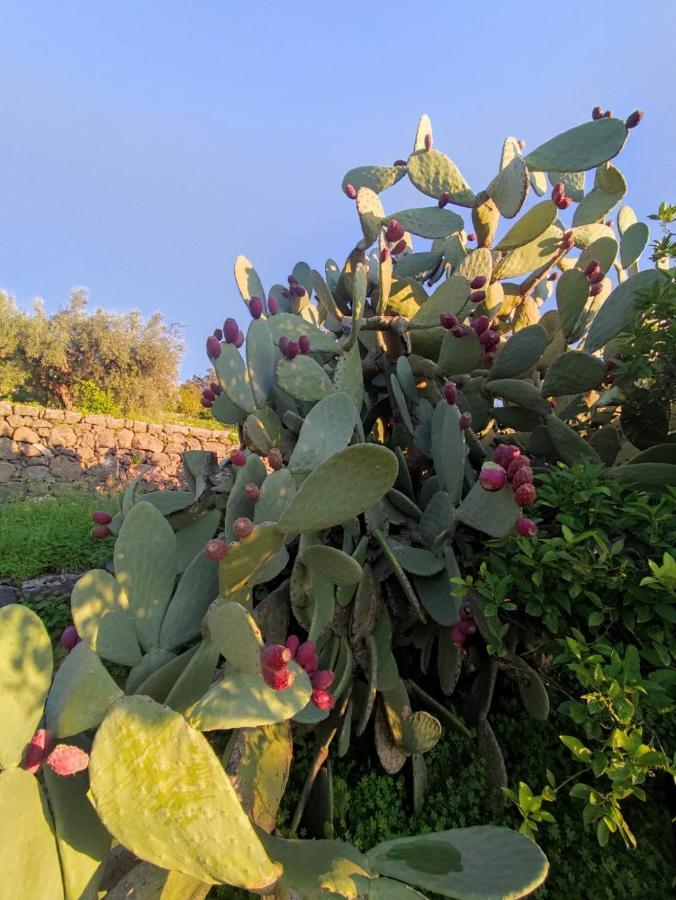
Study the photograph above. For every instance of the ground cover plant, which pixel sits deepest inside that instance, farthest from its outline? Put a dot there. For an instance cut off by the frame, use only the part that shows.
(395, 544)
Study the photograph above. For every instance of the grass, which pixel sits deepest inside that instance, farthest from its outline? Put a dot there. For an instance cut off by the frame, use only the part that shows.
(51, 534)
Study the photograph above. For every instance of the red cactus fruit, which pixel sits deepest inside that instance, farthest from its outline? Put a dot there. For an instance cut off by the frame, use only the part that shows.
(100, 532)
(252, 491)
(448, 320)
(275, 657)
(306, 656)
(465, 421)
(297, 290)
(239, 340)
(238, 458)
(230, 330)
(564, 203)
(458, 635)
(458, 331)
(351, 191)
(558, 191)
(489, 338)
(608, 114)
(526, 527)
(292, 280)
(597, 112)
(216, 549)
(292, 350)
(399, 247)
(273, 305)
(508, 454)
(384, 254)
(566, 243)
(208, 394)
(450, 392)
(304, 344)
(218, 334)
(525, 494)
(215, 389)
(99, 517)
(206, 403)
(213, 347)
(322, 699)
(481, 324)
(275, 459)
(552, 276)
(477, 296)
(633, 120)
(36, 752)
(65, 759)
(516, 463)
(444, 200)
(280, 679)
(471, 236)
(492, 477)
(592, 267)
(256, 307)
(293, 643)
(394, 232)
(478, 282)
(596, 278)
(400, 162)
(322, 679)
(242, 527)
(524, 475)
(595, 289)
(69, 638)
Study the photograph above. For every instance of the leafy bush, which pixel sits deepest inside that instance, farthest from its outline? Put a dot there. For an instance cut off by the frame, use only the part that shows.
(90, 398)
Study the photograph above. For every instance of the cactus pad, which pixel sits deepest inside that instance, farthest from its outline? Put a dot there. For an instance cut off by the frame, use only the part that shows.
(609, 188)
(332, 564)
(633, 243)
(327, 429)
(491, 512)
(435, 174)
(371, 212)
(509, 188)
(428, 222)
(619, 309)
(247, 557)
(376, 178)
(581, 148)
(529, 227)
(572, 373)
(530, 256)
(101, 615)
(520, 352)
(304, 379)
(236, 636)
(259, 769)
(81, 693)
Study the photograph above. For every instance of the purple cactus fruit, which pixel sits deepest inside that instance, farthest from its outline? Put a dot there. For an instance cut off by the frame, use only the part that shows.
(477, 296)
(218, 334)
(526, 527)
(465, 421)
(283, 345)
(207, 404)
(509, 453)
(322, 679)
(275, 459)
(596, 278)
(458, 331)
(523, 475)
(99, 517)
(286, 293)
(634, 119)
(351, 191)
(384, 254)
(306, 657)
(487, 359)
(279, 679)
(69, 638)
(489, 338)
(552, 276)
(208, 394)
(66, 759)
(471, 236)
(276, 657)
(444, 200)
(478, 282)
(256, 307)
(213, 347)
(525, 494)
(450, 392)
(292, 350)
(238, 458)
(216, 549)
(458, 635)
(492, 477)
(566, 243)
(515, 464)
(297, 290)
(292, 280)
(394, 232)
(293, 643)
(480, 324)
(607, 114)
(400, 162)
(304, 344)
(399, 247)
(322, 699)
(595, 290)
(239, 340)
(230, 331)
(37, 751)
(564, 203)
(597, 112)
(215, 389)
(101, 531)
(428, 141)
(448, 321)
(252, 491)
(273, 305)
(242, 527)
(592, 267)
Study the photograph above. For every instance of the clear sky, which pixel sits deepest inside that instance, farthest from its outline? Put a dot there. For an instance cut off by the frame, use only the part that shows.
(144, 144)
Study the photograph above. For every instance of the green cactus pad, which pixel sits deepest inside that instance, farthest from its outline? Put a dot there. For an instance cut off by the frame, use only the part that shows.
(400, 403)
(533, 692)
(387, 889)
(416, 264)
(633, 243)
(390, 755)
(437, 518)
(450, 297)
(436, 596)
(529, 227)
(247, 557)
(581, 148)
(161, 681)
(406, 378)
(25, 676)
(491, 512)
(626, 217)
(341, 487)
(81, 693)
(422, 131)
(191, 540)
(292, 327)
(227, 412)
(262, 431)
(193, 682)
(234, 377)
(150, 662)
(510, 149)
(304, 379)
(276, 492)
(572, 293)
(459, 355)
(420, 733)
(405, 298)
(573, 182)
(259, 770)
(520, 352)
(370, 211)
(348, 376)
(101, 615)
(376, 178)
(572, 373)
(416, 560)
(467, 863)
(168, 502)
(570, 447)
(448, 449)
(236, 636)
(145, 567)
(260, 359)
(83, 843)
(619, 310)
(366, 605)
(609, 188)
(538, 182)
(239, 505)
(428, 222)
(30, 861)
(509, 188)
(332, 564)
(247, 279)
(520, 392)
(186, 812)
(327, 429)
(489, 748)
(449, 662)
(530, 256)
(477, 262)
(585, 235)
(148, 882)
(240, 700)
(434, 174)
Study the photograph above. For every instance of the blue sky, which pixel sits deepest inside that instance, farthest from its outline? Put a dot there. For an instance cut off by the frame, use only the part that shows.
(145, 144)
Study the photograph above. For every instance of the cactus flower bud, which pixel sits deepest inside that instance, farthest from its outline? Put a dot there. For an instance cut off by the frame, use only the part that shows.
(597, 112)
(275, 657)
(515, 464)
(465, 421)
(238, 458)
(492, 477)
(215, 389)
(322, 679)
(458, 331)
(448, 321)
(213, 347)
(478, 282)
(215, 549)
(399, 247)
(292, 350)
(242, 527)
(252, 491)
(218, 334)
(444, 200)
(428, 141)
(481, 324)
(524, 475)
(275, 459)
(304, 344)
(273, 305)
(293, 643)
(525, 494)
(400, 162)
(471, 236)
(66, 759)
(564, 203)
(595, 289)
(230, 331)
(279, 679)
(384, 254)
(394, 232)
(69, 638)
(256, 307)
(351, 191)
(237, 343)
(477, 296)
(322, 699)
(101, 531)
(306, 656)
(101, 518)
(526, 527)
(206, 403)
(450, 392)
(634, 119)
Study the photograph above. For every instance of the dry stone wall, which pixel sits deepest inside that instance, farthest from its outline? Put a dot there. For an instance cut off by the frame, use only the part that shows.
(41, 449)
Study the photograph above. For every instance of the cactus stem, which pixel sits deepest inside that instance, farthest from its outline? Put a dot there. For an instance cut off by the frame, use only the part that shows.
(438, 708)
(399, 573)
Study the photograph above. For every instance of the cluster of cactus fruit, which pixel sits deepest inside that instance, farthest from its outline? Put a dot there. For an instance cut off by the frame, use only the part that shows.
(394, 413)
